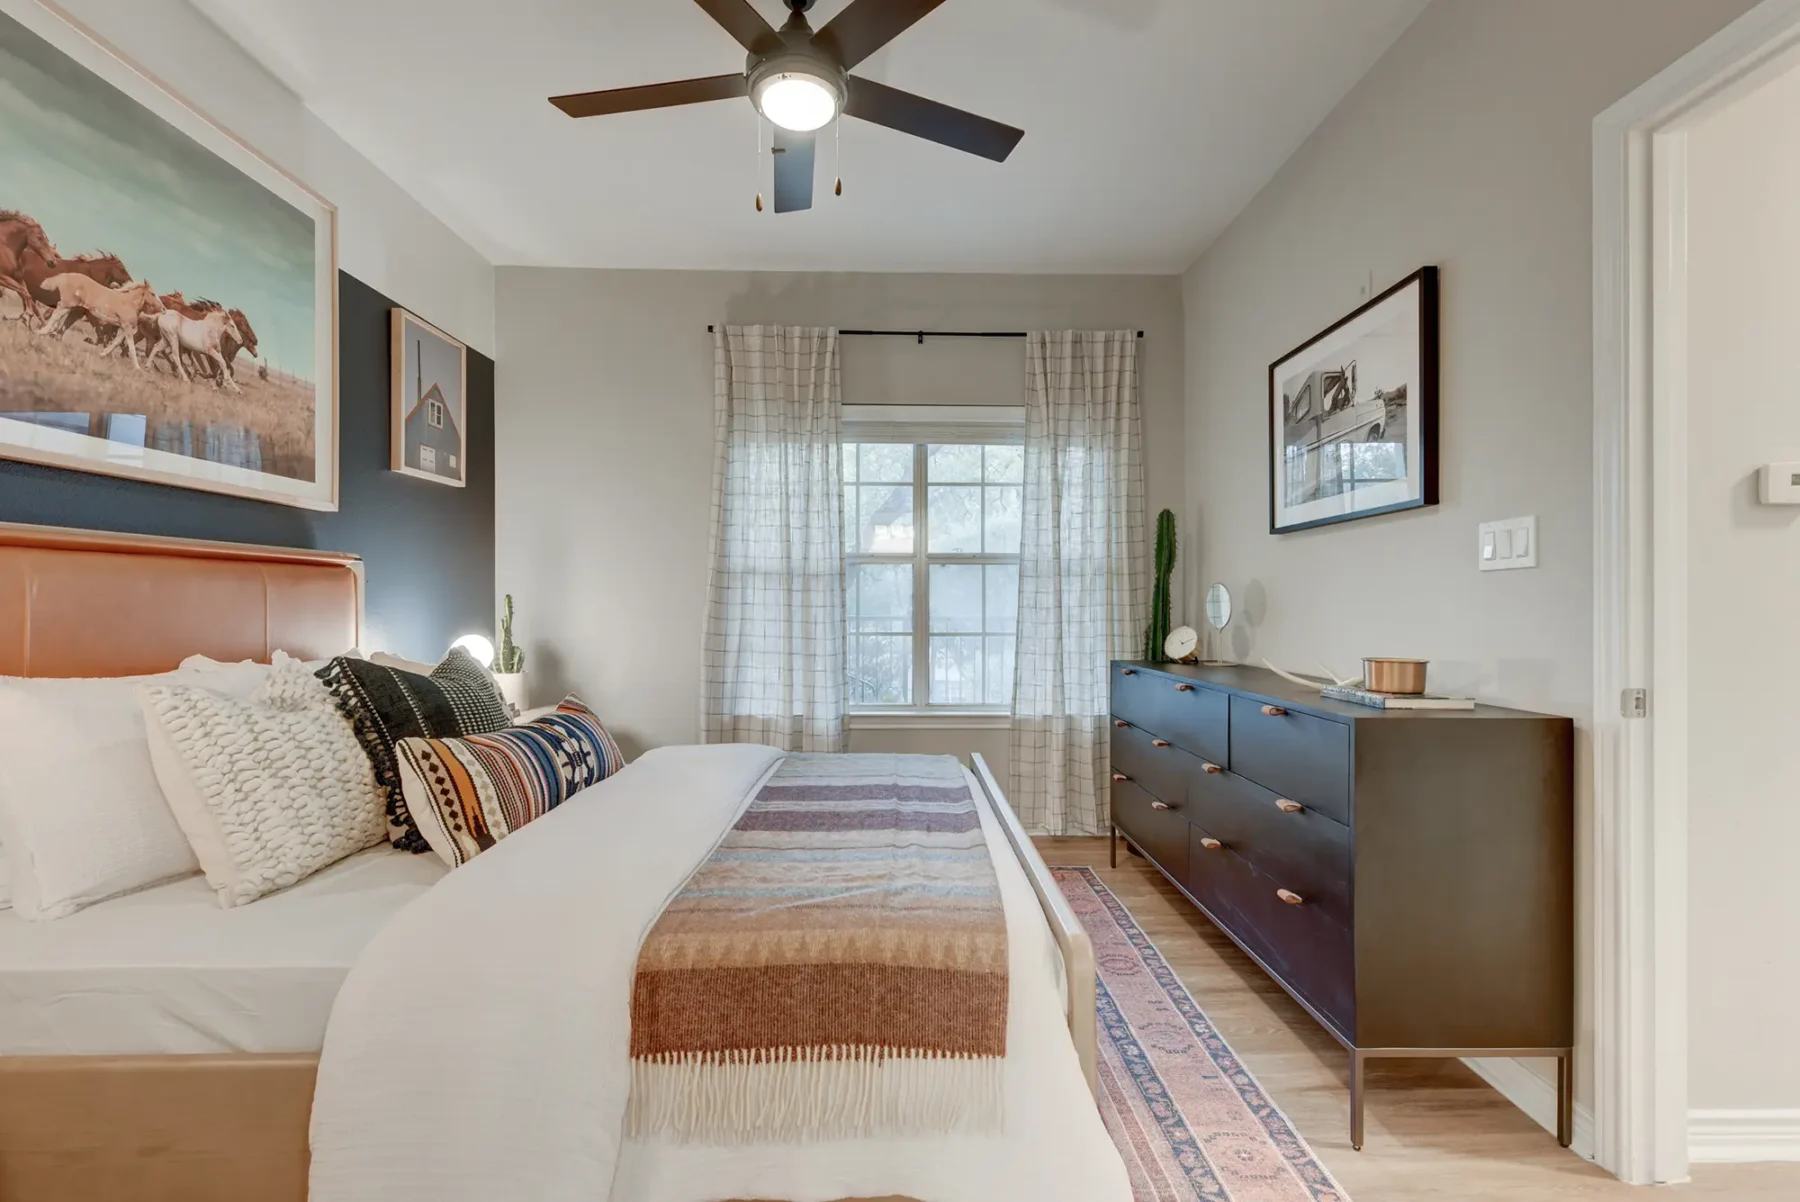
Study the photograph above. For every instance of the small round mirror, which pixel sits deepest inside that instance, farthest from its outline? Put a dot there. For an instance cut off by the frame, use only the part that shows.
(1218, 606)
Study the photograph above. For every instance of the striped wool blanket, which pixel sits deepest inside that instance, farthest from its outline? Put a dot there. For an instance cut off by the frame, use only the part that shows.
(835, 969)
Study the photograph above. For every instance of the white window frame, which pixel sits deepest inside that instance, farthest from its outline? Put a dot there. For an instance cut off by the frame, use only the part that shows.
(922, 426)
(434, 414)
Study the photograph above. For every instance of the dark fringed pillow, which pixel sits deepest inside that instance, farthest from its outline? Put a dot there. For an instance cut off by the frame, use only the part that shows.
(385, 705)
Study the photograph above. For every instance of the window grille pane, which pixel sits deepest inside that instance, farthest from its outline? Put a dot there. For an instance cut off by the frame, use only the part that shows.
(849, 463)
(953, 463)
(955, 520)
(884, 520)
(999, 671)
(956, 598)
(956, 663)
(1005, 464)
(878, 598)
(880, 669)
(1002, 598)
(885, 462)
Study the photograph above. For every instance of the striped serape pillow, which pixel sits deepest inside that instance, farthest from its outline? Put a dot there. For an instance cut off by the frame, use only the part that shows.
(466, 794)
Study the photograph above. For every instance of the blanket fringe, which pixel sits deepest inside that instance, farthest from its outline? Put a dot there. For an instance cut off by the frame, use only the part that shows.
(800, 1095)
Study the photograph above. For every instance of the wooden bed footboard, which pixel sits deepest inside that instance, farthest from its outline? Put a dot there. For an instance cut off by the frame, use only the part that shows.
(1077, 949)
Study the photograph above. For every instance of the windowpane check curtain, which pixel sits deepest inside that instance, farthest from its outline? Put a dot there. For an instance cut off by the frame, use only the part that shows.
(774, 653)
(1083, 597)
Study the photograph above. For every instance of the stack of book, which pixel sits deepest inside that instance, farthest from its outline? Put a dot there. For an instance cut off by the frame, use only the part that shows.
(1395, 701)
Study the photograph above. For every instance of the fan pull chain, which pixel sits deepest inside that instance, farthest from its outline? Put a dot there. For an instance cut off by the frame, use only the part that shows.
(759, 157)
(837, 152)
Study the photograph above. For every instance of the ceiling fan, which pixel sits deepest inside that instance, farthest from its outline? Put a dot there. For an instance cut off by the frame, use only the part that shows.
(800, 80)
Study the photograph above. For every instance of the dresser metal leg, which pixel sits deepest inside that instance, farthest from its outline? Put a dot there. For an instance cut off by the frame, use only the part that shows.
(1565, 1099)
(1356, 1100)
(1112, 845)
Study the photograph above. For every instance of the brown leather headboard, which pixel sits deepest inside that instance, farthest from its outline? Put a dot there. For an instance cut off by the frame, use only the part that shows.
(83, 603)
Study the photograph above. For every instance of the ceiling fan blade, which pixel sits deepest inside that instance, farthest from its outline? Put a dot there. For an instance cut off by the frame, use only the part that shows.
(653, 96)
(742, 22)
(793, 171)
(868, 25)
(930, 120)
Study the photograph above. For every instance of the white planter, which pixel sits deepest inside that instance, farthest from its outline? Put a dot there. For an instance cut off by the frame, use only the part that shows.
(513, 688)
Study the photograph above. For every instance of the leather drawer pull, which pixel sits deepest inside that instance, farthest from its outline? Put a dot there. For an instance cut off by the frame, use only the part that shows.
(1120, 777)
(1274, 711)
(1184, 688)
(1120, 723)
(1289, 896)
(1211, 769)
(1127, 671)
(1289, 807)
(1161, 805)
(1159, 742)
(1211, 844)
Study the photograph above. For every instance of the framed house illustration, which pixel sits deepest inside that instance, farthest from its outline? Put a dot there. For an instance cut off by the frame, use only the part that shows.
(429, 402)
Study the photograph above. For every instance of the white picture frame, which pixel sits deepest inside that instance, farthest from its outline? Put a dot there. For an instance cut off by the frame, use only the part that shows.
(280, 441)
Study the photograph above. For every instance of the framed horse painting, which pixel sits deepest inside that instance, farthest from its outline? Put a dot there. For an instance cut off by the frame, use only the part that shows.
(168, 296)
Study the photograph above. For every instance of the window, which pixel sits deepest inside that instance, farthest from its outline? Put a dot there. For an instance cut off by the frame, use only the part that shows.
(932, 574)
(434, 414)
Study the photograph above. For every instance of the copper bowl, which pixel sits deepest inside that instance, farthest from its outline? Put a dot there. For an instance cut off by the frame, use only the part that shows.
(1403, 676)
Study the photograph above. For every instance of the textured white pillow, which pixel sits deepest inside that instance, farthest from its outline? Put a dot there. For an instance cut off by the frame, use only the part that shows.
(81, 816)
(269, 789)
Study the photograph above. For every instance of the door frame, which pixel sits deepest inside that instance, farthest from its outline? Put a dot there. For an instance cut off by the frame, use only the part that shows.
(1639, 889)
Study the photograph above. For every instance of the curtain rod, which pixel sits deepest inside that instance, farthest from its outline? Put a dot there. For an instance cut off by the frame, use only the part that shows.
(922, 335)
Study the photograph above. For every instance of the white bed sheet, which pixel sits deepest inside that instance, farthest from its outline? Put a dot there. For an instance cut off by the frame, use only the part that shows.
(500, 1003)
(166, 971)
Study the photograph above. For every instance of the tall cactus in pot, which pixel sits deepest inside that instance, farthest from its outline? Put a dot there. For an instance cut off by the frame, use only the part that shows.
(512, 657)
(1158, 632)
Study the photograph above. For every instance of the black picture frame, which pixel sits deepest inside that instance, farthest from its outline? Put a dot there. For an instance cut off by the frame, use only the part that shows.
(1423, 283)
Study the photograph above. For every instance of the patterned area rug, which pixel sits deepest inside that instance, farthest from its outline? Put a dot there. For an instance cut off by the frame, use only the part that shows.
(1187, 1116)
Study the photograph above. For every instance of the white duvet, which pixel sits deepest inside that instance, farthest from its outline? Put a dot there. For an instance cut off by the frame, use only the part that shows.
(477, 1051)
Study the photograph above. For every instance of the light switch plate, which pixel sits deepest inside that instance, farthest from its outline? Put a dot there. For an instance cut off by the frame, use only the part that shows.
(1507, 545)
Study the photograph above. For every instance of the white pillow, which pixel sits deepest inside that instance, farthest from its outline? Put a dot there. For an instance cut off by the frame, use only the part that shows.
(268, 789)
(81, 816)
(384, 660)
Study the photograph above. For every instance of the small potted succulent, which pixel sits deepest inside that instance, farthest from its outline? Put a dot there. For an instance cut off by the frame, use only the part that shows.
(509, 662)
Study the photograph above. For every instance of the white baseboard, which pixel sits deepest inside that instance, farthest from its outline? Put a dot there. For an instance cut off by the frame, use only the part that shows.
(1535, 1094)
(1743, 1136)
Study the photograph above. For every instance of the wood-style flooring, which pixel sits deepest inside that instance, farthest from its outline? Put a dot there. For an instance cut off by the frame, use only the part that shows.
(1435, 1129)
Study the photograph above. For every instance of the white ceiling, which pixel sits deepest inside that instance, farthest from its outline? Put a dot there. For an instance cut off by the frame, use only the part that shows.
(1149, 125)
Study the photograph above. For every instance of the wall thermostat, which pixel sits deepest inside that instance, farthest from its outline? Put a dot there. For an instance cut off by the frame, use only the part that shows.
(1779, 484)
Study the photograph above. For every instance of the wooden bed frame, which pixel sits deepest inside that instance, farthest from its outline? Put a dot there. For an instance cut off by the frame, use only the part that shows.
(230, 1128)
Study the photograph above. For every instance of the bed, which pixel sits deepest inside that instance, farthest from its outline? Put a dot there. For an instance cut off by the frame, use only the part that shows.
(155, 1049)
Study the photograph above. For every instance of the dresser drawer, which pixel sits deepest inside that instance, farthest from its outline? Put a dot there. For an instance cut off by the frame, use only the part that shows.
(1162, 771)
(1161, 834)
(1307, 851)
(1298, 943)
(1186, 714)
(1297, 755)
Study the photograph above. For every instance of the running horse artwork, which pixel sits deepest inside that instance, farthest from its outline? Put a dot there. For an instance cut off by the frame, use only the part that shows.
(20, 236)
(35, 271)
(102, 372)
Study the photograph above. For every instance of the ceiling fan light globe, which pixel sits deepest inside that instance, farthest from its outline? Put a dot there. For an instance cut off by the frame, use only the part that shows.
(798, 102)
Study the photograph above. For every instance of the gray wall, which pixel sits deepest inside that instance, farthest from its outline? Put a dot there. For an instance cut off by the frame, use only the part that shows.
(605, 446)
(1743, 577)
(1468, 146)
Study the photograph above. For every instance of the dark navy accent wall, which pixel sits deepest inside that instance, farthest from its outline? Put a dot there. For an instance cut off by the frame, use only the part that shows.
(428, 549)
